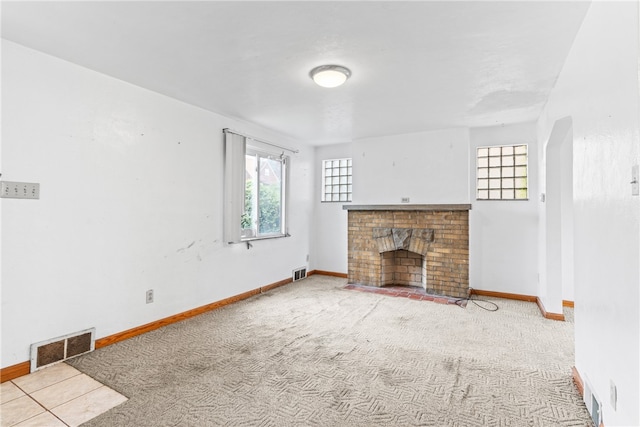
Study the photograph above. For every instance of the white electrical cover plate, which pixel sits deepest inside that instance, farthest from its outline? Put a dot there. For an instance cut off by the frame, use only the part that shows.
(19, 190)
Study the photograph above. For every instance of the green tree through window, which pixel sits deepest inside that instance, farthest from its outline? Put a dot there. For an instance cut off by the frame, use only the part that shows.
(264, 196)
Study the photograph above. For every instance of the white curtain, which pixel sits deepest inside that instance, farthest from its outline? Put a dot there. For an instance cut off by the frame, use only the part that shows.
(235, 148)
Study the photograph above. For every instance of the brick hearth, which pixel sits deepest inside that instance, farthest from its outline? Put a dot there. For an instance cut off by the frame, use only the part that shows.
(417, 245)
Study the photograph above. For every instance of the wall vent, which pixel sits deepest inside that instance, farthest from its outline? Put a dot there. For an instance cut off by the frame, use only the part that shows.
(45, 353)
(299, 273)
(592, 403)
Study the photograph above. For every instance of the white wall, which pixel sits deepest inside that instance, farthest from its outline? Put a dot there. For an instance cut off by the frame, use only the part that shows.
(503, 235)
(439, 167)
(131, 196)
(427, 167)
(598, 89)
(556, 220)
(330, 224)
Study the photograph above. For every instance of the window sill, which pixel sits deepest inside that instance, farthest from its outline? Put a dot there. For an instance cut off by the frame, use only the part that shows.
(502, 200)
(274, 236)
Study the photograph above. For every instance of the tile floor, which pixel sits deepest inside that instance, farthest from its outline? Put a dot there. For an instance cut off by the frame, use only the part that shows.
(56, 396)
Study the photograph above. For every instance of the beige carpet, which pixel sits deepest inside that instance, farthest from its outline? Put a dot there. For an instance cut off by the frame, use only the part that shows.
(315, 354)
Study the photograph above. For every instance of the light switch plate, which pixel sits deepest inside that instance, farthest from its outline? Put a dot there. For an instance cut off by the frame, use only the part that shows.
(19, 190)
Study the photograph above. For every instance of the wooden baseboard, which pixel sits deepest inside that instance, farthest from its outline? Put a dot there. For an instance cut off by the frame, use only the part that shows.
(11, 372)
(546, 314)
(528, 298)
(519, 297)
(130, 333)
(328, 273)
(578, 380)
(567, 303)
(24, 368)
(138, 330)
(276, 285)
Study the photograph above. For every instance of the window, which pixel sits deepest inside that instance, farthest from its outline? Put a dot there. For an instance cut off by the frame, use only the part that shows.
(336, 180)
(502, 173)
(255, 195)
(264, 195)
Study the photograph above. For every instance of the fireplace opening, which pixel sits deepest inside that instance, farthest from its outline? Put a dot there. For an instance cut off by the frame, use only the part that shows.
(402, 267)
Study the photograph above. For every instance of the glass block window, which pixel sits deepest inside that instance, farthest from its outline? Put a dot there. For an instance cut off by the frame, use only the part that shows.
(502, 173)
(336, 180)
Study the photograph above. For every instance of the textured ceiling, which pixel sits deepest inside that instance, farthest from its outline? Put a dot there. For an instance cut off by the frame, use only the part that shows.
(416, 65)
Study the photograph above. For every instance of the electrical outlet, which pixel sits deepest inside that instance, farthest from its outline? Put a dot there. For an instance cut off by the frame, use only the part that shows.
(19, 190)
(149, 296)
(405, 200)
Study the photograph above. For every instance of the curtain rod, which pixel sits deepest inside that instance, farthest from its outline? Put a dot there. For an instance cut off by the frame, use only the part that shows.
(227, 130)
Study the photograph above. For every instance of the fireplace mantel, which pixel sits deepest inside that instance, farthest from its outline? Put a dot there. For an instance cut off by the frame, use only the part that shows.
(407, 207)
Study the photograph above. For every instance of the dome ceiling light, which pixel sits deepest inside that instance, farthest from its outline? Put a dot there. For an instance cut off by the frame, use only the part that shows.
(330, 75)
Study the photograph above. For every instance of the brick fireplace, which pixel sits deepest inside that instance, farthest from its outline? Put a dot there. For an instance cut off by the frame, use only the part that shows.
(414, 245)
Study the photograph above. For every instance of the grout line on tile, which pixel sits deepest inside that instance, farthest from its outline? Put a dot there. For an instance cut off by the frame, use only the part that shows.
(92, 401)
(82, 395)
(39, 404)
(57, 382)
(58, 418)
(50, 411)
(46, 411)
(102, 386)
(30, 400)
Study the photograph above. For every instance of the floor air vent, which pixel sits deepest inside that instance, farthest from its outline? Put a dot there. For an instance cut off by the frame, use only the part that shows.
(47, 352)
(299, 273)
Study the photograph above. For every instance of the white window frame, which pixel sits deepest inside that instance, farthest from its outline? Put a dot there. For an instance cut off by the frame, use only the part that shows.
(502, 172)
(236, 148)
(341, 177)
(254, 232)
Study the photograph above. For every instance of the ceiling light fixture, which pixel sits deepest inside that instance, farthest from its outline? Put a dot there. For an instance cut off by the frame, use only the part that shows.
(330, 75)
